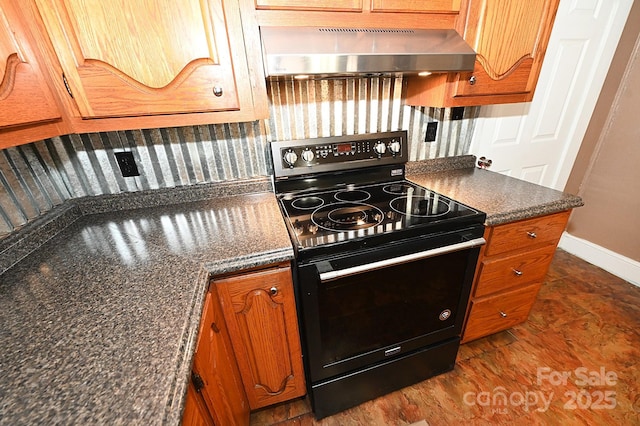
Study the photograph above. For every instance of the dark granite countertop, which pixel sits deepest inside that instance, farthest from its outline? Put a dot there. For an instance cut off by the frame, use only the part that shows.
(504, 199)
(99, 323)
(100, 299)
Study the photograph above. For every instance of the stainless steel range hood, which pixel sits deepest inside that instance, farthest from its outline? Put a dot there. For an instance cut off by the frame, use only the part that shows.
(329, 52)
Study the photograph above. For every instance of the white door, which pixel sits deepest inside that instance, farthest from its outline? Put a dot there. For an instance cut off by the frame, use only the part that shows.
(539, 141)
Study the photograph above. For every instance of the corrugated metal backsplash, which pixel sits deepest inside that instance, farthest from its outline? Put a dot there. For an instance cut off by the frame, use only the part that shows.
(38, 176)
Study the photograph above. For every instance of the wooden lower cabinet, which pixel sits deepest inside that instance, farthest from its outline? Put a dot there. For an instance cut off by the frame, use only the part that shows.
(215, 394)
(259, 309)
(500, 311)
(195, 412)
(511, 268)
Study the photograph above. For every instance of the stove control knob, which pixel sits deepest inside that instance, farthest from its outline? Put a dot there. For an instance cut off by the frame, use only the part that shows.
(290, 158)
(380, 148)
(395, 146)
(307, 155)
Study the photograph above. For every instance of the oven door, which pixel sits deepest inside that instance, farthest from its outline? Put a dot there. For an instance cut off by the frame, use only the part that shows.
(369, 307)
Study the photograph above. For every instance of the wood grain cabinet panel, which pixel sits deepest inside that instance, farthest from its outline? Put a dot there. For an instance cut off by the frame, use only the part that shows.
(526, 233)
(404, 6)
(511, 268)
(324, 5)
(510, 39)
(259, 308)
(144, 57)
(497, 274)
(195, 411)
(415, 14)
(215, 365)
(25, 96)
(500, 311)
(416, 6)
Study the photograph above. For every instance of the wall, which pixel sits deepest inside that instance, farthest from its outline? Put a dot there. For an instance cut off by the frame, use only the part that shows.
(606, 172)
(38, 176)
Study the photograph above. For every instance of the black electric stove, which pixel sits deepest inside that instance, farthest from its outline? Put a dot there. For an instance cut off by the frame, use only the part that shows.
(382, 270)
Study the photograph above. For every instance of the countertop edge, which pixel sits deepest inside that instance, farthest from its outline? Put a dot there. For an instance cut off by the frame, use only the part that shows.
(227, 266)
(529, 213)
(175, 405)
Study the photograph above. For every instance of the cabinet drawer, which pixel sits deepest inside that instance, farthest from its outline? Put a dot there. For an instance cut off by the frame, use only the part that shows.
(526, 233)
(499, 312)
(497, 274)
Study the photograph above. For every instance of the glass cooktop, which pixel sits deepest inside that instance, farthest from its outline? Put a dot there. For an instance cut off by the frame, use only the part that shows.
(317, 218)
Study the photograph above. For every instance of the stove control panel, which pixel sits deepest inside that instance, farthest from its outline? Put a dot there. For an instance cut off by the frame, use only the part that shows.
(338, 153)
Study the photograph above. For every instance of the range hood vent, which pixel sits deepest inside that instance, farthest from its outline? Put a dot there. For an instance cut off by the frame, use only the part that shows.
(331, 52)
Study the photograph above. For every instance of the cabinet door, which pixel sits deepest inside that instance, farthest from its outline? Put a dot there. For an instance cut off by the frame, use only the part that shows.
(510, 39)
(260, 311)
(416, 6)
(25, 98)
(195, 411)
(215, 363)
(325, 5)
(145, 57)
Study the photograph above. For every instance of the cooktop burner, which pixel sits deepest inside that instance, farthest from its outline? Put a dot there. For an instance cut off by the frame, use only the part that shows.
(335, 215)
(346, 216)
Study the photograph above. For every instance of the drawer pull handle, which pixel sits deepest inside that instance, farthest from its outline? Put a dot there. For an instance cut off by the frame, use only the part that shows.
(217, 91)
(517, 272)
(503, 314)
(273, 290)
(532, 234)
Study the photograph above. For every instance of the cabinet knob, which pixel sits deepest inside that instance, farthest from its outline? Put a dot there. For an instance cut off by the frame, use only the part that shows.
(217, 90)
(273, 290)
(532, 234)
(516, 272)
(472, 80)
(503, 314)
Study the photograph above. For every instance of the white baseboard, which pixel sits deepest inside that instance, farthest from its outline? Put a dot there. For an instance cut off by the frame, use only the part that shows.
(618, 265)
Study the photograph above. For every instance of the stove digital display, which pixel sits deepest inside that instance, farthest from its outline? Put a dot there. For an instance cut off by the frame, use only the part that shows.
(343, 147)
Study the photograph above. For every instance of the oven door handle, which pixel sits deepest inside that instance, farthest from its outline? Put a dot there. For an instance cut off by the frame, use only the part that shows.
(334, 275)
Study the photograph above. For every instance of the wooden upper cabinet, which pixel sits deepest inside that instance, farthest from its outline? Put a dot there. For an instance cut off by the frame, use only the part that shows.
(510, 39)
(25, 97)
(359, 13)
(326, 5)
(409, 6)
(144, 57)
(416, 6)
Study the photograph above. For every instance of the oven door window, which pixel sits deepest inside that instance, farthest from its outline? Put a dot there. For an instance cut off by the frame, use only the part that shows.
(373, 315)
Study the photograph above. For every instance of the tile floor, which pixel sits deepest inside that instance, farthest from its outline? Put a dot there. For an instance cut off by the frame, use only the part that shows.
(574, 362)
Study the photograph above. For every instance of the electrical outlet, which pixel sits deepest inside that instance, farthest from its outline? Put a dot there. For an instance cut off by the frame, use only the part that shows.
(432, 130)
(457, 113)
(127, 164)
